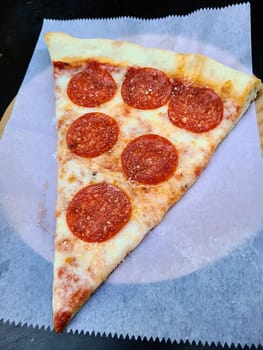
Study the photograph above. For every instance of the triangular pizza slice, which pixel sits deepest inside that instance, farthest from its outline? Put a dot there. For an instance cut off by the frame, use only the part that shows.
(135, 127)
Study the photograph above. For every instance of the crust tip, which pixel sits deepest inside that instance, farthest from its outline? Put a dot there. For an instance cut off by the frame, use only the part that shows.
(61, 319)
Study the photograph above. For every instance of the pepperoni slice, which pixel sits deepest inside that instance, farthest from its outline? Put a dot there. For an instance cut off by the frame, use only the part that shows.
(97, 212)
(149, 159)
(146, 88)
(91, 87)
(92, 134)
(193, 108)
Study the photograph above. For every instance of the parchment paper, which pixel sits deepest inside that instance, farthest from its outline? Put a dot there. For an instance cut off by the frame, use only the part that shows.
(199, 274)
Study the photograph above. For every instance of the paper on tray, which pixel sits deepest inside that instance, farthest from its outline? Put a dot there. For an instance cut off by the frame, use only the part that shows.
(181, 282)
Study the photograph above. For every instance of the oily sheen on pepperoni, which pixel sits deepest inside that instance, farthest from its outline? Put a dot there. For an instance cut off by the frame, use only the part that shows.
(91, 87)
(196, 109)
(149, 159)
(97, 212)
(146, 88)
(92, 134)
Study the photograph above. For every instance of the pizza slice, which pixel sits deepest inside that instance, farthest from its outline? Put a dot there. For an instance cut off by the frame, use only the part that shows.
(135, 129)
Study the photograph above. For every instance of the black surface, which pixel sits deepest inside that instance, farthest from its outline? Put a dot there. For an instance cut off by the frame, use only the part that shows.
(20, 24)
(12, 337)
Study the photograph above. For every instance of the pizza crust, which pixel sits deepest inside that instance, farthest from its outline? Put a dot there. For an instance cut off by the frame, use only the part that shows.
(225, 81)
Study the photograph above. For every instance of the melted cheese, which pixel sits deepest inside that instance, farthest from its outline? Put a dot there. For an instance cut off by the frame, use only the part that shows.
(149, 203)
